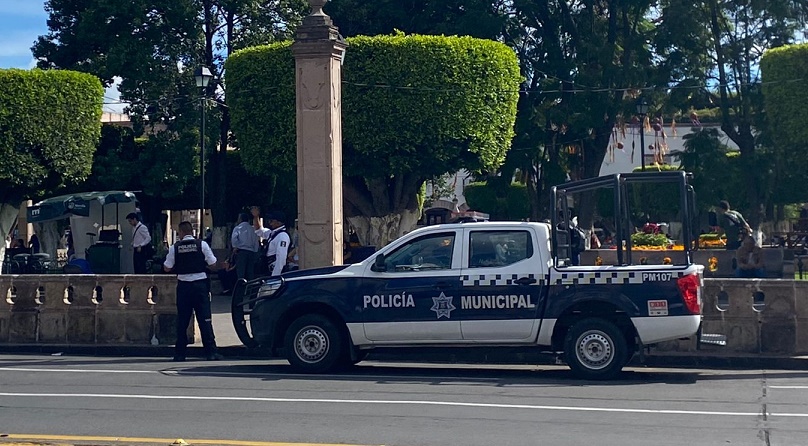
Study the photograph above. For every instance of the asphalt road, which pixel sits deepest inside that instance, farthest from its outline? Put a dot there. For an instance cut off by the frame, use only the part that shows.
(74, 398)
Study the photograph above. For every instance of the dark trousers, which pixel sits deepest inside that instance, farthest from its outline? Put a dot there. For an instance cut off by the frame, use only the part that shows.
(227, 278)
(194, 297)
(139, 261)
(245, 264)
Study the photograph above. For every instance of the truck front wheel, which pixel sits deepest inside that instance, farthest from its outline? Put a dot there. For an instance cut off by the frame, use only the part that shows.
(314, 344)
(595, 348)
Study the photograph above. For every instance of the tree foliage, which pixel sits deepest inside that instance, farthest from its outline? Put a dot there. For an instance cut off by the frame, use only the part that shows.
(476, 18)
(726, 53)
(512, 205)
(414, 107)
(153, 46)
(50, 122)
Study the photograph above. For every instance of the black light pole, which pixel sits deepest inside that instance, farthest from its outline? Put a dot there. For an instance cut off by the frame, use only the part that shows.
(642, 110)
(203, 77)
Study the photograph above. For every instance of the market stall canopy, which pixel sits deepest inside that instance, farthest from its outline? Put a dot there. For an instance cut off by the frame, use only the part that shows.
(66, 206)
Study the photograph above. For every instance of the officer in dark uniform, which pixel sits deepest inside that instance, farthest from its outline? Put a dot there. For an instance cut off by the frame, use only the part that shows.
(190, 258)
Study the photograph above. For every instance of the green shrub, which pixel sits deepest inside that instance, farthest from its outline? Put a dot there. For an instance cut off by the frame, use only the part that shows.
(50, 123)
(413, 108)
(643, 239)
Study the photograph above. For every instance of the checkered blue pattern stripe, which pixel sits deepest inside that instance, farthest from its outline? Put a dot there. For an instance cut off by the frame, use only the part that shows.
(601, 277)
(497, 279)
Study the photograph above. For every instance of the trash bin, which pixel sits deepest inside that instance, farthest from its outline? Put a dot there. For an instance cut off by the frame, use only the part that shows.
(104, 258)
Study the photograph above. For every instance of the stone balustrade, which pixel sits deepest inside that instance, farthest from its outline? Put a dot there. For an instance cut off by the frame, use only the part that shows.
(79, 309)
(767, 317)
(764, 317)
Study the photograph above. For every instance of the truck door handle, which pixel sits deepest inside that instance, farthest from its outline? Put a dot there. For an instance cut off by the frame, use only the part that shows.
(442, 286)
(525, 281)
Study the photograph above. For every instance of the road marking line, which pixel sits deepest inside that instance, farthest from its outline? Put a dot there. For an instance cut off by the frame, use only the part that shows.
(21, 369)
(175, 372)
(158, 440)
(396, 402)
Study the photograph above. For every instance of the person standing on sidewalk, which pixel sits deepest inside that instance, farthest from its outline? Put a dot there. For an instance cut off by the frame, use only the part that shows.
(279, 242)
(245, 245)
(190, 259)
(141, 241)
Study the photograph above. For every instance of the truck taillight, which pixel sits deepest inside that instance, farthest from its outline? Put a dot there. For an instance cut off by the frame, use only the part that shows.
(691, 292)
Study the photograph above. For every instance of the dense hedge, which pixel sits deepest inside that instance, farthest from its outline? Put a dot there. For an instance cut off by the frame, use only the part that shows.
(513, 205)
(419, 104)
(785, 93)
(50, 123)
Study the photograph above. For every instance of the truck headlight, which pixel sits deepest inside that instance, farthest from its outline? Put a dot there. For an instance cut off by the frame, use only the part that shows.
(269, 288)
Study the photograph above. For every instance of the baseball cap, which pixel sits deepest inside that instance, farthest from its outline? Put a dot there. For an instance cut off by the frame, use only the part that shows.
(276, 215)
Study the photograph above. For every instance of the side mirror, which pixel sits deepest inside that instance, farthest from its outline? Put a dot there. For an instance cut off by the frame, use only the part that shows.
(379, 265)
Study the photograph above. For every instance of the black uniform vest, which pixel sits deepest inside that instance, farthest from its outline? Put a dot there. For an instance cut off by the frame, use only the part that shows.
(189, 258)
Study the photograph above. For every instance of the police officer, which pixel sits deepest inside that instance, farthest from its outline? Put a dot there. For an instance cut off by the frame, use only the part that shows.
(278, 243)
(190, 258)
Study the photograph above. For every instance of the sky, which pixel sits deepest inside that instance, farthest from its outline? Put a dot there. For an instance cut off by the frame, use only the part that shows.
(21, 22)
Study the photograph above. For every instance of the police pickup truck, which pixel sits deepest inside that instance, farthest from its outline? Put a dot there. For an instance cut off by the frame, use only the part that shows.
(479, 284)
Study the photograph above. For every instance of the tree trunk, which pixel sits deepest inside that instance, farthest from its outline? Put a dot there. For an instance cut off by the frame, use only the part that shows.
(8, 213)
(379, 231)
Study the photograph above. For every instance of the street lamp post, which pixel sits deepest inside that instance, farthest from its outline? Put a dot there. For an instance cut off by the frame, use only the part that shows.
(642, 110)
(203, 77)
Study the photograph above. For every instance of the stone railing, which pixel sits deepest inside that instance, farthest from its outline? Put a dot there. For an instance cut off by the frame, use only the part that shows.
(767, 317)
(78, 309)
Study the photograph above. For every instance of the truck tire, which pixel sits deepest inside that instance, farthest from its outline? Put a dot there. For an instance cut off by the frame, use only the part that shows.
(314, 344)
(240, 320)
(595, 348)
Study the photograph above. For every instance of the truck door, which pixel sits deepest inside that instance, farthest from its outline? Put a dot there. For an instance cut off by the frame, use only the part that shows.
(416, 298)
(501, 286)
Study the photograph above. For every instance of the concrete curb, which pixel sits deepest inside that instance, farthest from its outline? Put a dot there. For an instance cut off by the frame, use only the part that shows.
(470, 355)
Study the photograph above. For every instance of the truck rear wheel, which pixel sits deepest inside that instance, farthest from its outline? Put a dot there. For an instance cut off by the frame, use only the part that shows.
(595, 348)
(314, 344)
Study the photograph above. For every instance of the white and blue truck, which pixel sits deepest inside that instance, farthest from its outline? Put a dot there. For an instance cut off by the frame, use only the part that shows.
(487, 284)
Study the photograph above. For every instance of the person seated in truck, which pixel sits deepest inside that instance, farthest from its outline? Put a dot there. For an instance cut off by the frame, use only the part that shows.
(749, 258)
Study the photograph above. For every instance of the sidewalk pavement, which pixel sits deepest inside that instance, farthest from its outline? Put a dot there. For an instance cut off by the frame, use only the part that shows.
(230, 346)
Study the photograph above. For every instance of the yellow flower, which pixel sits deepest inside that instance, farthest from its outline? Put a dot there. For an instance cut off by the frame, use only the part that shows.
(713, 264)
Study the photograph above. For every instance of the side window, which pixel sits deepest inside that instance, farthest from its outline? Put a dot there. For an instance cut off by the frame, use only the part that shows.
(430, 252)
(499, 248)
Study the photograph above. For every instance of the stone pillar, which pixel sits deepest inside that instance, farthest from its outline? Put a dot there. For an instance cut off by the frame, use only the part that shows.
(319, 50)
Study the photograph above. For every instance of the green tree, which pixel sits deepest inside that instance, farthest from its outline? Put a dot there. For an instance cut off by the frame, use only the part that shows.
(726, 53)
(49, 125)
(475, 18)
(153, 46)
(434, 104)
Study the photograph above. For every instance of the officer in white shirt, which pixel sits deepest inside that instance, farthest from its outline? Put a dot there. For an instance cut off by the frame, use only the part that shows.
(190, 259)
(140, 243)
(279, 242)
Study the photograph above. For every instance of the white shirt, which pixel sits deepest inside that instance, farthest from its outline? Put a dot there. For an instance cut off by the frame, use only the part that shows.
(278, 247)
(210, 259)
(140, 236)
